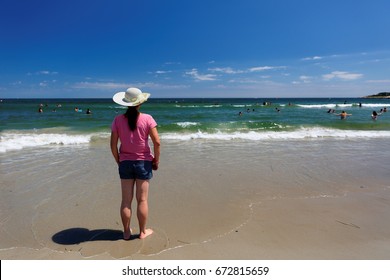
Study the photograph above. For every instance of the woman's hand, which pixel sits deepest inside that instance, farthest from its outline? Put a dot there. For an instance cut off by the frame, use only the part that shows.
(155, 164)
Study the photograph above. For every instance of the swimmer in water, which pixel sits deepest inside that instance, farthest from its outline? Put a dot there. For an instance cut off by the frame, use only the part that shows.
(343, 115)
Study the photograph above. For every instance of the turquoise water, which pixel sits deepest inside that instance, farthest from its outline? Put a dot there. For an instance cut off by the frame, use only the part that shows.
(22, 126)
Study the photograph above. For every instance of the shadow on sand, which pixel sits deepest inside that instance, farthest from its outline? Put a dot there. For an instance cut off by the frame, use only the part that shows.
(79, 235)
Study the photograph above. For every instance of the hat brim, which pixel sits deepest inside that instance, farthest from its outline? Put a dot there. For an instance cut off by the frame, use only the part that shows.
(119, 98)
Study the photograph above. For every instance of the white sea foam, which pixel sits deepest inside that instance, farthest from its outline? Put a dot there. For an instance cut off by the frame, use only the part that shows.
(334, 105)
(17, 141)
(10, 141)
(186, 124)
(187, 106)
(373, 105)
(300, 134)
(330, 105)
(198, 106)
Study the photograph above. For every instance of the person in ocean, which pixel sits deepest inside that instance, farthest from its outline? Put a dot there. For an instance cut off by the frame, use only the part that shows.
(374, 115)
(134, 157)
(343, 115)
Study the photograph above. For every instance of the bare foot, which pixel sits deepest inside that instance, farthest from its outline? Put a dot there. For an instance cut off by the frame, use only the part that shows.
(146, 233)
(127, 234)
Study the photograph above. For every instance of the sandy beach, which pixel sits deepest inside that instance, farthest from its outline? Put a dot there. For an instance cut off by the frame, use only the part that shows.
(315, 199)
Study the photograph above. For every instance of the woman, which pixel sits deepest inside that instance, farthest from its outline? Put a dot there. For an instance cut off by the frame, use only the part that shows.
(134, 157)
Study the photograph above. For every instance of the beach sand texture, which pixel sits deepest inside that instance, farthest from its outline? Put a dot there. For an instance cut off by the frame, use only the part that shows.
(315, 199)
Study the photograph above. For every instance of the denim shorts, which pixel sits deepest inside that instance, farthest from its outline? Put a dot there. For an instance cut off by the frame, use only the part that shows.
(135, 169)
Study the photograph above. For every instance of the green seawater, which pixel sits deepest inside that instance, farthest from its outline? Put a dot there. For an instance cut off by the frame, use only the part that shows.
(186, 119)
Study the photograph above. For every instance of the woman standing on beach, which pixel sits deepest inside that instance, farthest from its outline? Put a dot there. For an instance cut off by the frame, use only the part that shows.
(134, 158)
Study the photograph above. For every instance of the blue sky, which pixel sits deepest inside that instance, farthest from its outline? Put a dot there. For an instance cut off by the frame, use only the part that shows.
(202, 48)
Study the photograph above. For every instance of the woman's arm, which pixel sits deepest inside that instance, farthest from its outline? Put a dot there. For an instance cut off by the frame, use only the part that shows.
(156, 145)
(114, 146)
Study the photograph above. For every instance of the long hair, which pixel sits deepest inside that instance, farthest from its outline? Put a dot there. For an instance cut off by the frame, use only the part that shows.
(132, 114)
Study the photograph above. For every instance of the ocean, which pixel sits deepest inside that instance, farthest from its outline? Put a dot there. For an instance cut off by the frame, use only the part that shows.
(286, 174)
(23, 127)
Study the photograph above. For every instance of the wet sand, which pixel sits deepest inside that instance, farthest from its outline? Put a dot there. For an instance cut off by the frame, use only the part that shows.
(300, 200)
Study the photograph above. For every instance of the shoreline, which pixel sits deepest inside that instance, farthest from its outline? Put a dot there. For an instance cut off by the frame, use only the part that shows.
(323, 199)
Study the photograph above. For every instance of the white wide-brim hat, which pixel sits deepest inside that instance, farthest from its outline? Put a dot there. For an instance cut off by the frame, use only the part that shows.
(131, 97)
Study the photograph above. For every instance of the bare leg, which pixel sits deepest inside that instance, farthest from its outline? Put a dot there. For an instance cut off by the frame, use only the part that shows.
(127, 197)
(142, 190)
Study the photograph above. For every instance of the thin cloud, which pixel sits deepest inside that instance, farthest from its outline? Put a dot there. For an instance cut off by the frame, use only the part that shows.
(250, 81)
(305, 79)
(42, 72)
(226, 70)
(172, 63)
(378, 81)
(265, 68)
(162, 72)
(123, 86)
(312, 58)
(45, 72)
(201, 77)
(341, 75)
(100, 85)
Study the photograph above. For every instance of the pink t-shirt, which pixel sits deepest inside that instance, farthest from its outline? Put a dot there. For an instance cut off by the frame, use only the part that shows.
(134, 144)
